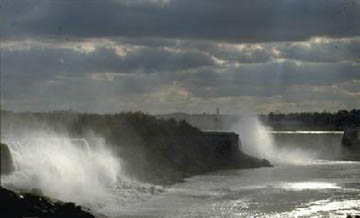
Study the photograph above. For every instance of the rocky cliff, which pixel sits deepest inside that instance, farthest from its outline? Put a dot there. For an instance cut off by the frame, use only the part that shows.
(351, 143)
(153, 150)
(7, 165)
(170, 158)
(19, 205)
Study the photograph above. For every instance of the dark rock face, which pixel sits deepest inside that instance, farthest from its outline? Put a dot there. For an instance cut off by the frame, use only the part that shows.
(225, 151)
(351, 144)
(356, 216)
(7, 164)
(223, 146)
(351, 139)
(186, 155)
(212, 151)
(30, 205)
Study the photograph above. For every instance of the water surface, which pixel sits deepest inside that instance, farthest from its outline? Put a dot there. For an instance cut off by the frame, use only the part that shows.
(316, 189)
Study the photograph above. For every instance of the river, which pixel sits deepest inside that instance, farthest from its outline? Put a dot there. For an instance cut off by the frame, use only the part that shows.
(316, 189)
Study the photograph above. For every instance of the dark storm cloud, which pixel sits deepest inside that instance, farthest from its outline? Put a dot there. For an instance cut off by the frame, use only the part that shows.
(29, 68)
(111, 55)
(49, 61)
(317, 50)
(86, 93)
(227, 20)
(223, 51)
(246, 56)
(256, 80)
(332, 51)
(268, 79)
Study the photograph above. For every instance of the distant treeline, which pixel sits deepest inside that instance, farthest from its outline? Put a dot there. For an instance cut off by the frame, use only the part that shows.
(278, 121)
(313, 121)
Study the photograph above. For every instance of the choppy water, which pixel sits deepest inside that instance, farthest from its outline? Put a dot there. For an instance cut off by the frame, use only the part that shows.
(317, 189)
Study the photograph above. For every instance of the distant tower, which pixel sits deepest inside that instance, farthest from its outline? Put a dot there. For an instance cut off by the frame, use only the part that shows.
(217, 119)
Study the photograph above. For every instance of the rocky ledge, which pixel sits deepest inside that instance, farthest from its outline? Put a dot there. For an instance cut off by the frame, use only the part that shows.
(31, 205)
(351, 144)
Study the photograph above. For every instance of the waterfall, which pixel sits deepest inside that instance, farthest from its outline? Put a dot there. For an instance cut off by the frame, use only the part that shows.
(63, 168)
(288, 146)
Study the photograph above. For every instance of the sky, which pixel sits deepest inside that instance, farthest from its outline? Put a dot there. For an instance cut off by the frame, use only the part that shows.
(164, 56)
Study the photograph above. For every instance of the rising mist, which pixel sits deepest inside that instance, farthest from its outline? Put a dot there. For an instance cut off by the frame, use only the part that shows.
(257, 140)
(63, 168)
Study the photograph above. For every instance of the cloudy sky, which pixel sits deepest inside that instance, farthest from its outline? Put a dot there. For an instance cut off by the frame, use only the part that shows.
(162, 56)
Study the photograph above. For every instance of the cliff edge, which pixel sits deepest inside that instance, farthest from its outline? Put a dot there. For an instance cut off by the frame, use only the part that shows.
(7, 164)
(14, 205)
(351, 143)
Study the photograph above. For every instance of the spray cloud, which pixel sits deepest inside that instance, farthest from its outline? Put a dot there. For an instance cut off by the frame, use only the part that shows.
(257, 141)
(63, 168)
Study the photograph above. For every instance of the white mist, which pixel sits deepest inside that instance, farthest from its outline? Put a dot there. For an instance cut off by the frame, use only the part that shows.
(257, 141)
(63, 168)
